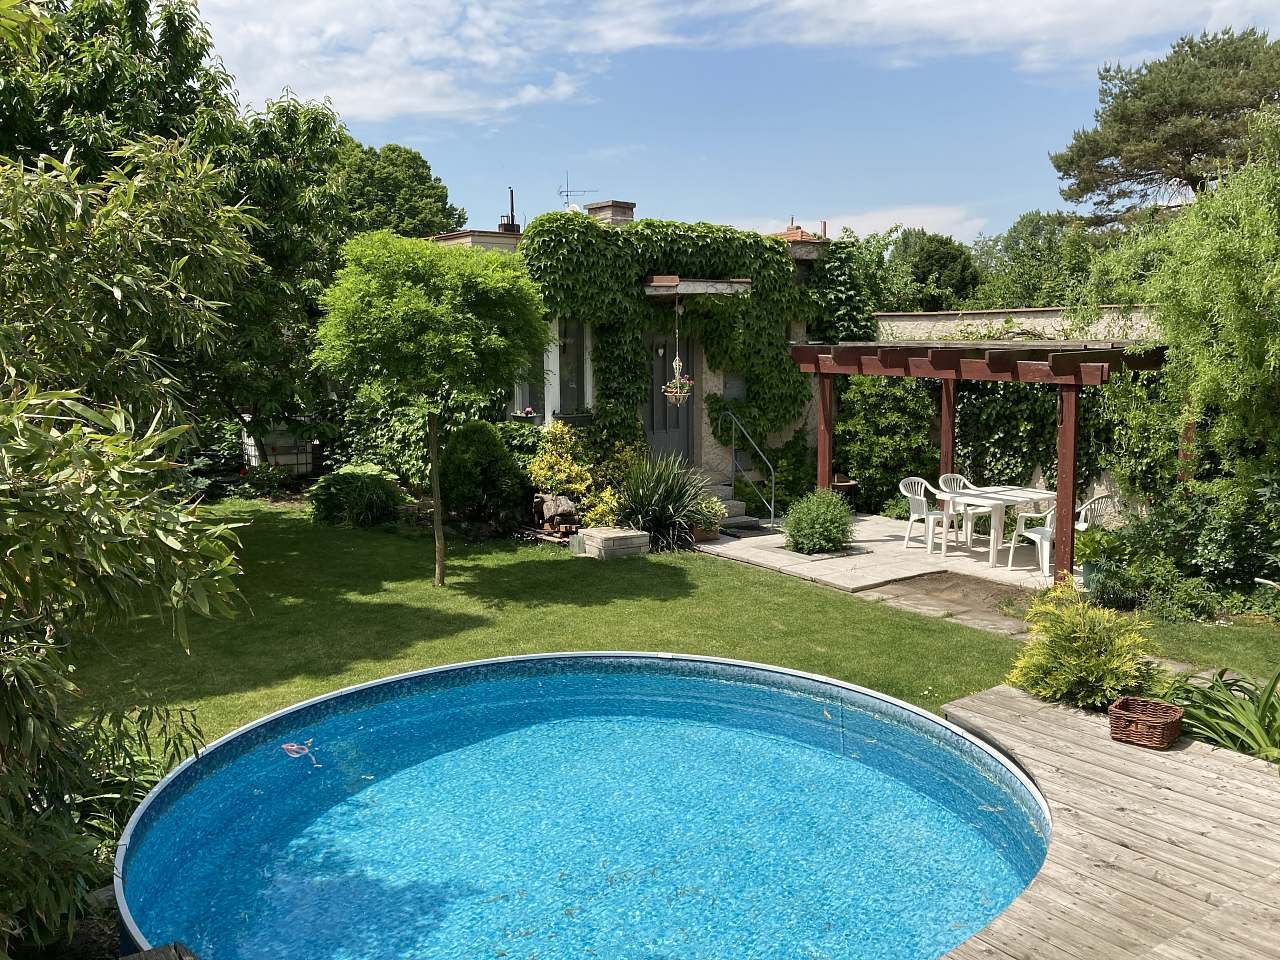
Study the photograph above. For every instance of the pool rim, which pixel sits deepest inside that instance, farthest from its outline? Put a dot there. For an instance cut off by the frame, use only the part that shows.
(993, 749)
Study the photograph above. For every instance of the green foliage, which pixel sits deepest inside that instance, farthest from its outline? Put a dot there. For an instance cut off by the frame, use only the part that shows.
(1098, 544)
(481, 481)
(1216, 284)
(414, 321)
(522, 440)
(709, 512)
(1170, 125)
(266, 480)
(818, 523)
(393, 188)
(605, 509)
(1238, 713)
(377, 426)
(68, 783)
(1081, 654)
(102, 74)
(1042, 260)
(661, 496)
(360, 495)
(103, 281)
(885, 433)
(20, 23)
(593, 272)
(854, 279)
(943, 268)
(562, 465)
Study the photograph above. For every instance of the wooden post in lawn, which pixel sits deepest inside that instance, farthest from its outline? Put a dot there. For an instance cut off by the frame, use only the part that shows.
(826, 429)
(1064, 548)
(947, 445)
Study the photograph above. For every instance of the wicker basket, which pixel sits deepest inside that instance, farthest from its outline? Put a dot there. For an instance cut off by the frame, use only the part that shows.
(1145, 723)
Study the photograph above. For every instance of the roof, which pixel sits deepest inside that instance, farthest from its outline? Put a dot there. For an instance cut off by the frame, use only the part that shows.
(794, 234)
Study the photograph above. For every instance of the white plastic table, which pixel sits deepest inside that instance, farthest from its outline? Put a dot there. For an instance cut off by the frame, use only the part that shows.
(997, 498)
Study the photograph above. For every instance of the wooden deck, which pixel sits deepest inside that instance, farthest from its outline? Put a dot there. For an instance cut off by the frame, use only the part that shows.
(1168, 856)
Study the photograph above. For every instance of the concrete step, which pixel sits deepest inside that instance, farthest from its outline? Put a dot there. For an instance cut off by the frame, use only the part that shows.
(722, 491)
(740, 522)
(736, 508)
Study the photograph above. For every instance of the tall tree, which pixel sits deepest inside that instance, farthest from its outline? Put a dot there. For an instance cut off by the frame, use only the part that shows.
(1042, 260)
(1169, 127)
(442, 326)
(942, 267)
(393, 188)
(103, 73)
(856, 278)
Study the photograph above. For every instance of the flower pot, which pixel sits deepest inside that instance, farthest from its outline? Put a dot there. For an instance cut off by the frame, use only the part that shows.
(1089, 573)
(705, 536)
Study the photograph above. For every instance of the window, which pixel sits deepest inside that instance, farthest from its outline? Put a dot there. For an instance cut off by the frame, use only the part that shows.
(573, 367)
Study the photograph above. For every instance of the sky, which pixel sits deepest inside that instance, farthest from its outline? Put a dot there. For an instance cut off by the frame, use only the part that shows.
(863, 113)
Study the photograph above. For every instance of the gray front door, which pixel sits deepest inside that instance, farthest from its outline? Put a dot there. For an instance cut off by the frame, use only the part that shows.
(666, 425)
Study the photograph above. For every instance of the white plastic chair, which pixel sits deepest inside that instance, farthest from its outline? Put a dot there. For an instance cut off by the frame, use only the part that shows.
(1040, 535)
(1097, 510)
(953, 483)
(916, 489)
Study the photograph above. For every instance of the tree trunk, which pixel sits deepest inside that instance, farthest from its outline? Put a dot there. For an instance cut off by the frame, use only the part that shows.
(437, 511)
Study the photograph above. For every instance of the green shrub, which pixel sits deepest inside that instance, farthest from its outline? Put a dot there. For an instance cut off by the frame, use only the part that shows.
(1240, 714)
(710, 512)
(266, 480)
(361, 495)
(818, 523)
(522, 440)
(603, 509)
(885, 435)
(1081, 654)
(661, 496)
(1154, 584)
(480, 481)
(562, 465)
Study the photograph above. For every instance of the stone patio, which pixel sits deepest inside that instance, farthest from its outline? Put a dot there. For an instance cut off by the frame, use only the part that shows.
(877, 559)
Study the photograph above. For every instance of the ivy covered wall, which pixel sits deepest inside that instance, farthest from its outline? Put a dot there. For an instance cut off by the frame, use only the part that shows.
(591, 271)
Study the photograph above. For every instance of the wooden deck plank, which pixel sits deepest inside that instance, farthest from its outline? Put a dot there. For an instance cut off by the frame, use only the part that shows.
(1153, 856)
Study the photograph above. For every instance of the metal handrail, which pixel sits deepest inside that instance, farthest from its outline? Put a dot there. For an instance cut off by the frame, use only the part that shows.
(734, 469)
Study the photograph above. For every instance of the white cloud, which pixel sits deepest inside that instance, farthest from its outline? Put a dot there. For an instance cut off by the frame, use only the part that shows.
(477, 59)
(953, 221)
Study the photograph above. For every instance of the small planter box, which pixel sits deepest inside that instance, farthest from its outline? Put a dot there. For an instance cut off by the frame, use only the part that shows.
(605, 543)
(705, 536)
(1145, 723)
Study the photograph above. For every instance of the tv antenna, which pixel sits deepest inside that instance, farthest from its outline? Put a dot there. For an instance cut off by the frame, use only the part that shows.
(569, 194)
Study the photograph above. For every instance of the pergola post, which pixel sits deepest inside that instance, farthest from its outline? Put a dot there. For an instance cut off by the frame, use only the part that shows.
(1186, 448)
(947, 444)
(826, 428)
(1064, 553)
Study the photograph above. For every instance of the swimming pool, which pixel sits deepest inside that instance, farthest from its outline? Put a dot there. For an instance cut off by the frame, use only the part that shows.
(620, 806)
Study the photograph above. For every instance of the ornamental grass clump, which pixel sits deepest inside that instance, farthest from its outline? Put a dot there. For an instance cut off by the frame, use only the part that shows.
(1238, 713)
(662, 497)
(361, 495)
(1081, 654)
(819, 522)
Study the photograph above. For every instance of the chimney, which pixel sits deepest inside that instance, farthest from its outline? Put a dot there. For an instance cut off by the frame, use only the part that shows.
(507, 223)
(613, 212)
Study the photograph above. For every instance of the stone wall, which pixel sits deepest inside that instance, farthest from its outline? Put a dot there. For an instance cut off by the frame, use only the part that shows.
(1049, 323)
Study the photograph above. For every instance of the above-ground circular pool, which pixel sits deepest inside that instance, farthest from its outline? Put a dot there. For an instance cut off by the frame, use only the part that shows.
(611, 806)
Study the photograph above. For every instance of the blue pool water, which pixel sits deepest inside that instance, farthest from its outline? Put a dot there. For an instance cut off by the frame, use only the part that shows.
(628, 808)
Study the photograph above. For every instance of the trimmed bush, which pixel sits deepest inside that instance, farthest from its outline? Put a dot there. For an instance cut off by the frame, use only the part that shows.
(661, 497)
(361, 495)
(709, 513)
(1081, 654)
(818, 523)
(480, 481)
(522, 440)
(562, 465)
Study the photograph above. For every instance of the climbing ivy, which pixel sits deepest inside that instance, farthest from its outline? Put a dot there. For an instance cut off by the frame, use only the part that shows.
(594, 272)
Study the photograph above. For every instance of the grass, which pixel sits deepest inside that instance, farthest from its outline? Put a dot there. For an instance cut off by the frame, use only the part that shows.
(329, 607)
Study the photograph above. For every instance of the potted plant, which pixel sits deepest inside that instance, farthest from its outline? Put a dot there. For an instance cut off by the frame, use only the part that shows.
(708, 513)
(527, 415)
(1097, 545)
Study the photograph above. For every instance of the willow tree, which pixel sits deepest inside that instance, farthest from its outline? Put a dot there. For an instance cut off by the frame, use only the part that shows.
(411, 321)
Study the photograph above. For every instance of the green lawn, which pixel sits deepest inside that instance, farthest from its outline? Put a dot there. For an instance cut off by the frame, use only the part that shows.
(329, 607)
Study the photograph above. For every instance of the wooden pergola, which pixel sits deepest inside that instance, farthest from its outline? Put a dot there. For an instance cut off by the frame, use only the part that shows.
(1066, 365)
